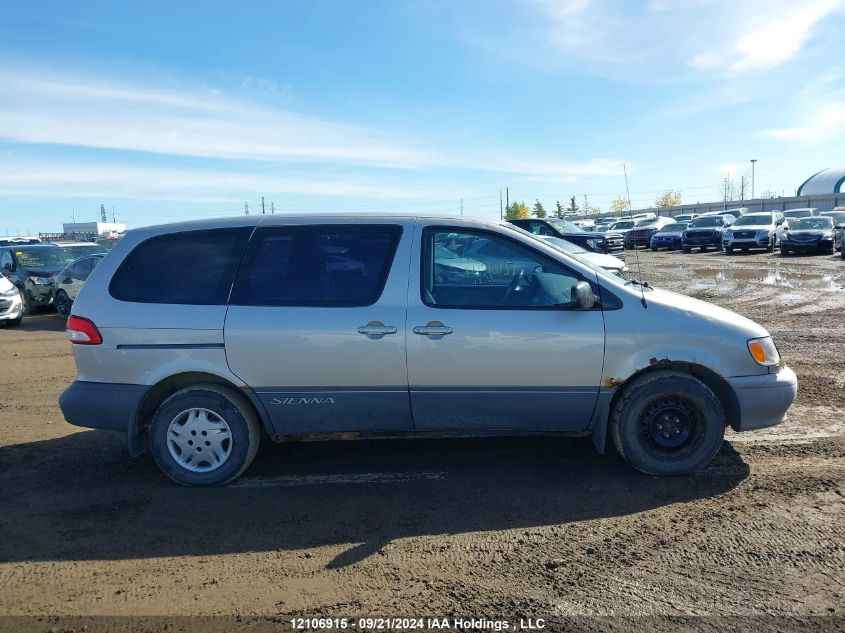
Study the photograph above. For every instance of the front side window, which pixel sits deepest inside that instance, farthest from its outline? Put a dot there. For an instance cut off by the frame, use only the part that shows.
(487, 271)
(188, 268)
(331, 266)
(82, 269)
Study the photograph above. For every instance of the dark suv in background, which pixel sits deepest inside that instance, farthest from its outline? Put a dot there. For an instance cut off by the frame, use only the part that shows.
(32, 268)
(608, 243)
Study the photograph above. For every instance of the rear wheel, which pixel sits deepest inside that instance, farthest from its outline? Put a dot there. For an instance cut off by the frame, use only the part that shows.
(206, 435)
(771, 246)
(668, 423)
(63, 304)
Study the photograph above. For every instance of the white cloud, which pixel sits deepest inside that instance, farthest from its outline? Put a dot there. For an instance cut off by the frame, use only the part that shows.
(822, 122)
(771, 44)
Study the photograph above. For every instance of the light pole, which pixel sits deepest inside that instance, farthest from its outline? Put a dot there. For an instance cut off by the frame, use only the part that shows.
(753, 160)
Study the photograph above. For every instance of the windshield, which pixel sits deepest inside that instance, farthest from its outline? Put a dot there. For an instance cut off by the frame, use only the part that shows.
(710, 220)
(646, 222)
(797, 213)
(565, 226)
(621, 226)
(47, 256)
(755, 219)
(567, 247)
(805, 224)
(673, 228)
(85, 249)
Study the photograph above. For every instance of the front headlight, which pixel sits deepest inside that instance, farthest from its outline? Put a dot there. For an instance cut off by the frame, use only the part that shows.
(827, 236)
(41, 281)
(593, 243)
(729, 233)
(11, 292)
(763, 351)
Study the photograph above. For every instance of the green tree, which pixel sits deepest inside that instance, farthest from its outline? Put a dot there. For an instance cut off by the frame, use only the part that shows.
(560, 212)
(539, 209)
(619, 204)
(668, 198)
(573, 208)
(517, 211)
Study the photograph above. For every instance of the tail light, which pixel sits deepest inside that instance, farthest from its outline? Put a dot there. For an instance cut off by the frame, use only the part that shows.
(82, 331)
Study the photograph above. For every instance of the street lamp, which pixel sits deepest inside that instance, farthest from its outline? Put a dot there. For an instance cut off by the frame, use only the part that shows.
(753, 160)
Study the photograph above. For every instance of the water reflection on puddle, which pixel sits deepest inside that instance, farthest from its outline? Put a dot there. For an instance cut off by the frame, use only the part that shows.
(709, 277)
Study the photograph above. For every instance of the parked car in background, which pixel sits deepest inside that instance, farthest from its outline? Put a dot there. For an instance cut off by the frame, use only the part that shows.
(80, 249)
(69, 280)
(196, 339)
(794, 214)
(705, 231)
(685, 217)
(605, 221)
(622, 227)
(668, 237)
(644, 216)
(811, 234)
(754, 230)
(108, 242)
(587, 225)
(838, 215)
(32, 269)
(609, 243)
(609, 263)
(18, 241)
(11, 305)
(737, 212)
(640, 234)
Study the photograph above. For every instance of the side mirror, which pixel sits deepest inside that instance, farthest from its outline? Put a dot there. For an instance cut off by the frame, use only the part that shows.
(582, 296)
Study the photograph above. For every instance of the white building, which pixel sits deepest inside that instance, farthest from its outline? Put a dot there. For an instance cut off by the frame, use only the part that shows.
(92, 230)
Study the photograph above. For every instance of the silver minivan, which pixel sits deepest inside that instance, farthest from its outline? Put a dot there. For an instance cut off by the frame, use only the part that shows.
(196, 339)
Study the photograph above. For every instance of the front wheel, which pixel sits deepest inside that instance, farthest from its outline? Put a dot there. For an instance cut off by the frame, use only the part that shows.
(685, 249)
(206, 435)
(63, 304)
(25, 300)
(668, 423)
(729, 251)
(784, 250)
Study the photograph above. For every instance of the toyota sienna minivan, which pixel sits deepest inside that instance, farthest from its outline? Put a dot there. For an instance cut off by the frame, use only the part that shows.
(197, 339)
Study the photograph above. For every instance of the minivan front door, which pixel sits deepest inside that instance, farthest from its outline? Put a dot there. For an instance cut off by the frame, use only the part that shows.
(494, 341)
(316, 326)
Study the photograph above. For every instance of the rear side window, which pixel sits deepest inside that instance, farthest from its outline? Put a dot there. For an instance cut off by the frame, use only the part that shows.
(191, 268)
(338, 265)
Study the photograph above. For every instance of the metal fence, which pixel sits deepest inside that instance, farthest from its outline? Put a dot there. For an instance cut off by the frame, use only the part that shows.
(824, 202)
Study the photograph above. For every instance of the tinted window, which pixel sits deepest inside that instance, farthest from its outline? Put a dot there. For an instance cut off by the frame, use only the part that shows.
(342, 265)
(81, 269)
(43, 257)
(489, 271)
(193, 267)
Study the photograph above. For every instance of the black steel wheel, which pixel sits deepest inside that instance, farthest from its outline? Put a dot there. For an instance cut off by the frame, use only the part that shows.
(667, 422)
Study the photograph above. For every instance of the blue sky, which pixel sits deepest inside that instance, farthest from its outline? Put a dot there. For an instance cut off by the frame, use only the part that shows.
(167, 111)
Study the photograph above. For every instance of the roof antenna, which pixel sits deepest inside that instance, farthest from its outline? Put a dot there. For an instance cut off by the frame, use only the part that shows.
(636, 252)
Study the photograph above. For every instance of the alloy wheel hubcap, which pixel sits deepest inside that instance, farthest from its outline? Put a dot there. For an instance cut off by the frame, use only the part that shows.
(199, 440)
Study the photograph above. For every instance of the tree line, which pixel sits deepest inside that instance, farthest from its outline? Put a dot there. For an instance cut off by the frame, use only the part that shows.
(519, 210)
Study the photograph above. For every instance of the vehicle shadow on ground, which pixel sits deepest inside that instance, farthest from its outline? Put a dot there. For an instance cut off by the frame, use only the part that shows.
(42, 322)
(79, 497)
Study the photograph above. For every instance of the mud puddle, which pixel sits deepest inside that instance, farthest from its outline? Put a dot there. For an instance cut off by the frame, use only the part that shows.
(710, 277)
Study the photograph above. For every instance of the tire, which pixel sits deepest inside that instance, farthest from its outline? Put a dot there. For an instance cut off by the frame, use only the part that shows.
(843, 252)
(729, 251)
(703, 249)
(685, 249)
(219, 403)
(653, 249)
(636, 418)
(784, 250)
(771, 247)
(27, 303)
(63, 304)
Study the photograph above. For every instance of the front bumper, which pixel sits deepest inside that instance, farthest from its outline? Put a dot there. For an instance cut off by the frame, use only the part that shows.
(101, 405)
(815, 245)
(764, 400)
(10, 308)
(40, 295)
(754, 242)
(692, 242)
(665, 242)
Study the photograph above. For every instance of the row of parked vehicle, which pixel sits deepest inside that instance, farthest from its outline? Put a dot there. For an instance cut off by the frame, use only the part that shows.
(35, 274)
(802, 230)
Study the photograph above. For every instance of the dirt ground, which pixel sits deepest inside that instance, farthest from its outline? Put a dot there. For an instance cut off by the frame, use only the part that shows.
(534, 528)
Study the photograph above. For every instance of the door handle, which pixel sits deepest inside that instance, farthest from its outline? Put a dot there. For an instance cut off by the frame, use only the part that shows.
(376, 329)
(433, 328)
